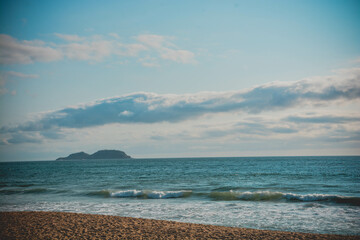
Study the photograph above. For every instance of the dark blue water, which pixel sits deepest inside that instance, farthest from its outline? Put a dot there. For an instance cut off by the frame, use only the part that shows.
(307, 194)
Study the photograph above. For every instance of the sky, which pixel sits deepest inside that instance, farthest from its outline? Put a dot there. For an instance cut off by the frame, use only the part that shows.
(179, 78)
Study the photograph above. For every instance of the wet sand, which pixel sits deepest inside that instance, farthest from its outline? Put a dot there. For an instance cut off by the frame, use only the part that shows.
(60, 225)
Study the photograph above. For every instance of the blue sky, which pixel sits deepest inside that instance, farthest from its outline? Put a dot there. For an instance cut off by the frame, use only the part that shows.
(179, 78)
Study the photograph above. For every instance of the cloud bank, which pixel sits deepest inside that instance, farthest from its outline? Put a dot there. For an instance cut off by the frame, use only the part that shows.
(153, 108)
(94, 48)
(14, 51)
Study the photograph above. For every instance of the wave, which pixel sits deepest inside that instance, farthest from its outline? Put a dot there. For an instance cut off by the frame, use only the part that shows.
(127, 193)
(229, 196)
(280, 196)
(145, 194)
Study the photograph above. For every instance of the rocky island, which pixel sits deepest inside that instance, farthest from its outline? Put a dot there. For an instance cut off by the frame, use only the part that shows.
(102, 154)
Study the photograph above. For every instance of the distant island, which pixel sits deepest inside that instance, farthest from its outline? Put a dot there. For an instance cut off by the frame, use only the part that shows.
(102, 154)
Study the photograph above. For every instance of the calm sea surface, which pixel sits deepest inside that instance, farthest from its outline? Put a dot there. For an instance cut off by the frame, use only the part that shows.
(305, 194)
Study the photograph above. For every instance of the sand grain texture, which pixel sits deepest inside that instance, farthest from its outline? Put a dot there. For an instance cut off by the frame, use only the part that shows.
(56, 225)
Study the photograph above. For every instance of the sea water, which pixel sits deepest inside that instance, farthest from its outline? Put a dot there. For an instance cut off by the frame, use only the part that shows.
(303, 194)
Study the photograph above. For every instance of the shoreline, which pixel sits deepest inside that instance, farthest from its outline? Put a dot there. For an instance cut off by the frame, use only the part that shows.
(65, 225)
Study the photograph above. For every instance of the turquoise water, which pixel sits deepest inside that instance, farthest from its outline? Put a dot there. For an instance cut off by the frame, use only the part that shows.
(306, 194)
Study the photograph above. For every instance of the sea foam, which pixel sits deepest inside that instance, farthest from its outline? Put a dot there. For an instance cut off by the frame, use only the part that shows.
(142, 194)
(278, 196)
(229, 196)
(127, 193)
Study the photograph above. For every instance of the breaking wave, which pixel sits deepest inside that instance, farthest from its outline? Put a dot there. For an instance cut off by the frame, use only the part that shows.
(229, 196)
(146, 194)
(280, 196)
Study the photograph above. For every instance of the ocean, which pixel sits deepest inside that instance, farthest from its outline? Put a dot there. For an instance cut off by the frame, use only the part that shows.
(303, 194)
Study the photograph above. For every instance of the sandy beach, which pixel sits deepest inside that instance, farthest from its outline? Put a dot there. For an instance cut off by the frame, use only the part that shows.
(60, 225)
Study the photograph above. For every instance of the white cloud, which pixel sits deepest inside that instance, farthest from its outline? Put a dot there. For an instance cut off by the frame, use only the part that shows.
(154, 41)
(273, 99)
(181, 56)
(96, 50)
(166, 48)
(133, 49)
(126, 113)
(93, 48)
(25, 52)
